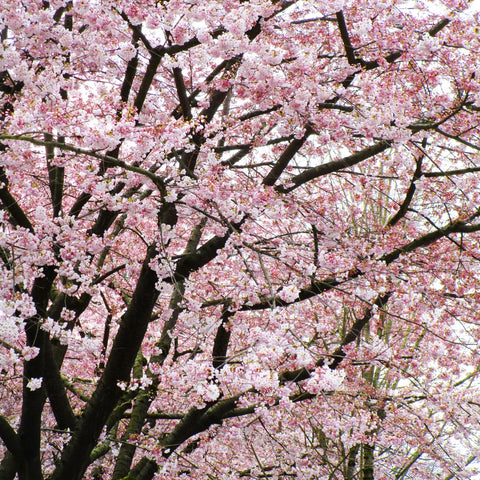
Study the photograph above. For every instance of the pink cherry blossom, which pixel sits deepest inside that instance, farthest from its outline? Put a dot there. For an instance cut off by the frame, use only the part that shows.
(239, 239)
(34, 383)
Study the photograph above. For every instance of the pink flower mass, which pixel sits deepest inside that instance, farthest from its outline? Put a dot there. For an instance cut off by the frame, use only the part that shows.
(239, 239)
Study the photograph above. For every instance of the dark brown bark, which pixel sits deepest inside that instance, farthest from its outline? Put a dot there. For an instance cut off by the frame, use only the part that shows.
(133, 327)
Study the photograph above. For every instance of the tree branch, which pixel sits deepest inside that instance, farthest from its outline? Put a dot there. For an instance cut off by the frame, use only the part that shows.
(339, 354)
(285, 158)
(70, 148)
(458, 226)
(352, 60)
(222, 338)
(196, 421)
(134, 323)
(62, 410)
(33, 400)
(145, 469)
(155, 58)
(56, 175)
(335, 165)
(131, 69)
(448, 173)
(10, 204)
(321, 286)
(190, 262)
(410, 193)
(182, 93)
(11, 440)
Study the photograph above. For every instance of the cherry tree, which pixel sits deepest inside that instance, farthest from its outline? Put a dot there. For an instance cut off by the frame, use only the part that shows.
(239, 239)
